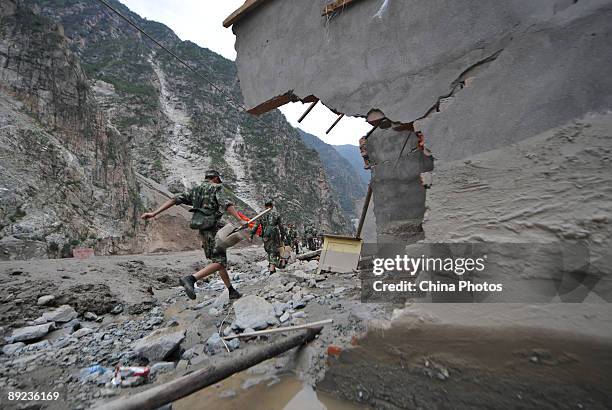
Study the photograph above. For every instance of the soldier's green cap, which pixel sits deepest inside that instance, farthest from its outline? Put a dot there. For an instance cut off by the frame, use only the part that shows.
(211, 173)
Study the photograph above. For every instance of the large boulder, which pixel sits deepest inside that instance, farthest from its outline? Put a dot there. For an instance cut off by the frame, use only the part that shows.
(31, 332)
(159, 345)
(254, 312)
(62, 314)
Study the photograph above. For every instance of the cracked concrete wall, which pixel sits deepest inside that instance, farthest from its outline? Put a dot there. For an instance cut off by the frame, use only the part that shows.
(404, 62)
(398, 193)
(473, 75)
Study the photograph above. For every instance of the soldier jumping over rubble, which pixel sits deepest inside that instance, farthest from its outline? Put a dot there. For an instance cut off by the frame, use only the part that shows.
(272, 234)
(207, 201)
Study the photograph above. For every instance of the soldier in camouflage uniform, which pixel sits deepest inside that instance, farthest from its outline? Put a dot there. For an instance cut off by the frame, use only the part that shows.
(208, 201)
(311, 237)
(272, 233)
(292, 238)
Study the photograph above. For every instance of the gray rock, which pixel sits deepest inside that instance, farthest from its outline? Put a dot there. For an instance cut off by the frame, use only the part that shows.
(156, 320)
(45, 300)
(213, 311)
(63, 342)
(62, 314)
(43, 344)
(279, 308)
(31, 332)
(194, 351)
(159, 344)
(284, 317)
(221, 300)
(298, 304)
(311, 265)
(254, 311)
(233, 344)
(40, 321)
(12, 348)
(117, 309)
(90, 316)
(82, 332)
(72, 326)
(161, 367)
(298, 315)
(182, 365)
(214, 344)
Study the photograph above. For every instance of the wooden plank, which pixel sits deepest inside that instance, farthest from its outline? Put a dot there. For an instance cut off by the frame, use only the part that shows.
(281, 329)
(272, 104)
(158, 396)
(248, 6)
(337, 5)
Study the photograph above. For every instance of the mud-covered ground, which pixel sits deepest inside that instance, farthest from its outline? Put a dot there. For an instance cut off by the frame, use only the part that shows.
(128, 310)
(120, 300)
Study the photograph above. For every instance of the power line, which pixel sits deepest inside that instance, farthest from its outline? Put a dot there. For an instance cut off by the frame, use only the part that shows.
(180, 60)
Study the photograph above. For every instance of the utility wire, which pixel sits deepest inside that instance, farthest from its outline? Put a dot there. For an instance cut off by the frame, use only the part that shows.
(180, 60)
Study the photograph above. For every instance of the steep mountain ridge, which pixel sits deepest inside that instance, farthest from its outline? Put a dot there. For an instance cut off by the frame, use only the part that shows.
(178, 125)
(344, 179)
(353, 156)
(66, 175)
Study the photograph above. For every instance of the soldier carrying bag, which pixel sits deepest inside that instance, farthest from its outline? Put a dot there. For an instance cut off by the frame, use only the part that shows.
(203, 219)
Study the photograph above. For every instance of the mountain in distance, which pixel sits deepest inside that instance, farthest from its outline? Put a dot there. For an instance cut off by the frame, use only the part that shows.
(344, 179)
(353, 156)
(178, 125)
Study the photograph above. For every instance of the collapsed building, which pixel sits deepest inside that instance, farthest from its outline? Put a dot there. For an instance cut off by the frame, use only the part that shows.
(508, 103)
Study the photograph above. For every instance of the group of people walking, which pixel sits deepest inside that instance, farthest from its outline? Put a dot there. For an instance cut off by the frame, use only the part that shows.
(209, 201)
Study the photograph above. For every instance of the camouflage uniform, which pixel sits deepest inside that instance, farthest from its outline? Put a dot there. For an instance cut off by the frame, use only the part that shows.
(311, 235)
(211, 199)
(291, 238)
(272, 234)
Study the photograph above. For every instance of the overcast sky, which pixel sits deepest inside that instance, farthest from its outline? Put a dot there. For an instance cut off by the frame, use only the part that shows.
(201, 22)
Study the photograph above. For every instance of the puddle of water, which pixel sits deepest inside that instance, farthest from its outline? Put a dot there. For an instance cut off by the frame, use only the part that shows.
(284, 393)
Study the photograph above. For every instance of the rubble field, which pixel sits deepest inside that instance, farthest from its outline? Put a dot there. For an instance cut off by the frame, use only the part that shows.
(67, 323)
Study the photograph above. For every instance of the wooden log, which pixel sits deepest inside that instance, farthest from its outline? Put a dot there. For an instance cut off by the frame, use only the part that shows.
(364, 211)
(281, 329)
(309, 255)
(183, 386)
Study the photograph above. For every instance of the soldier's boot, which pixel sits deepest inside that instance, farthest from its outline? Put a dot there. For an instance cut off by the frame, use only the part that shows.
(234, 294)
(187, 282)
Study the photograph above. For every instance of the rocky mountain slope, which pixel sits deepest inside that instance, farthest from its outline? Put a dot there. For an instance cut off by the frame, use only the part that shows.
(178, 125)
(344, 179)
(353, 156)
(66, 177)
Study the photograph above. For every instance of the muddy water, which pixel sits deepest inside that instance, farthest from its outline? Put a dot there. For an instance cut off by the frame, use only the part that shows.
(269, 393)
(430, 366)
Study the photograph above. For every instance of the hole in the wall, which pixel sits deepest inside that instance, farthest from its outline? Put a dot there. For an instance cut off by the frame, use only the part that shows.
(327, 124)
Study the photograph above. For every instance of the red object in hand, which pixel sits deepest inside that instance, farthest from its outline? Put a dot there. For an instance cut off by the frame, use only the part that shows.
(252, 224)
